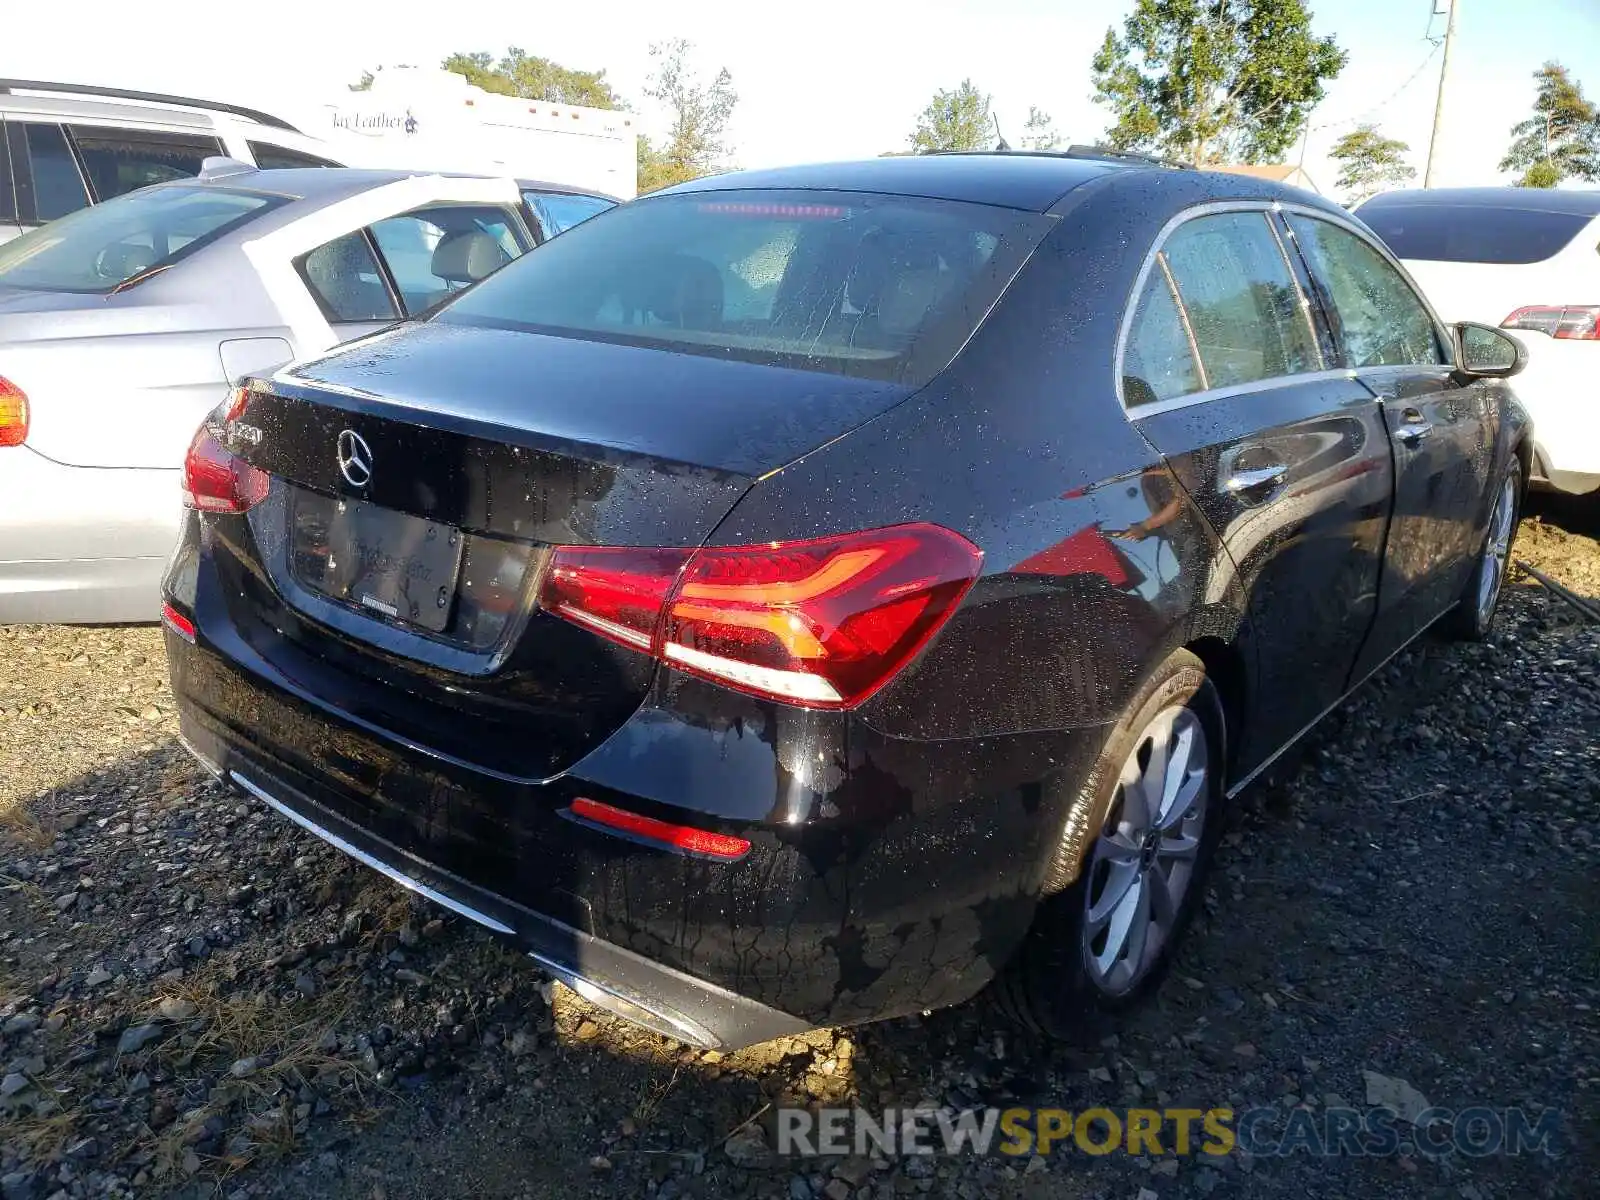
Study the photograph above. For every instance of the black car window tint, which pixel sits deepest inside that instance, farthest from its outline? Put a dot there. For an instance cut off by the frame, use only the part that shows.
(346, 280)
(57, 187)
(1159, 362)
(118, 161)
(8, 190)
(1377, 317)
(1244, 308)
(1475, 233)
(278, 158)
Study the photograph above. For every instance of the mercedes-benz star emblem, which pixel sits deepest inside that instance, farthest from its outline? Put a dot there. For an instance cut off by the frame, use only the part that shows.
(355, 459)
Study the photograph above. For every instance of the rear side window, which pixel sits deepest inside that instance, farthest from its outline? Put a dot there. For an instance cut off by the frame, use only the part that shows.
(881, 287)
(560, 211)
(1471, 232)
(1377, 317)
(347, 282)
(8, 189)
(277, 158)
(1159, 362)
(436, 252)
(57, 186)
(118, 161)
(1240, 303)
(98, 249)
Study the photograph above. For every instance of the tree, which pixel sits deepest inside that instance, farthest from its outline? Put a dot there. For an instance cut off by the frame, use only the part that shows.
(954, 120)
(699, 112)
(1369, 162)
(1562, 138)
(1205, 80)
(1039, 131)
(534, 78)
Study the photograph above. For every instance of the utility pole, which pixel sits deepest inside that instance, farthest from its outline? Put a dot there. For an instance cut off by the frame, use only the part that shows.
(1438, 105)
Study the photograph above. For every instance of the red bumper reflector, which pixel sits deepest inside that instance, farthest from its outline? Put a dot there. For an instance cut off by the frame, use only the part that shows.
(700, 842)
(177, 622)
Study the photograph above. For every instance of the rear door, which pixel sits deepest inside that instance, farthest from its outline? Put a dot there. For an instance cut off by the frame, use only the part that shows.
(1442, 432)
(1227, 374)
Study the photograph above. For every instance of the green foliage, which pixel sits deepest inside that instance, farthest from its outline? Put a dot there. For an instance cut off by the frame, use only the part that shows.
(699, 112)
(364, 84)
(1209, 80)
(954, 120)
(534, 78)
(1562, 138)
(1541, 175)
(1039, 131)
(1369, 163)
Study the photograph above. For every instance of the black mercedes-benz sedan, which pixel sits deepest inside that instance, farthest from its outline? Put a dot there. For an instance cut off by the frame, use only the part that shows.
(808, 596)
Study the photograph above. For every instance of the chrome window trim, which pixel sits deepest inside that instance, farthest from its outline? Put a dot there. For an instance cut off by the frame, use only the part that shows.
(1156, 407)
(1213, 208)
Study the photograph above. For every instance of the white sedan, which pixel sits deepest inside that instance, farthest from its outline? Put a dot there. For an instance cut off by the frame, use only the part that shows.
(124, 324)
(1527, 260)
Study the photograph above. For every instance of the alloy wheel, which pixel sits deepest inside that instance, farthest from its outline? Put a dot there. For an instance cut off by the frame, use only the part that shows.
(1145, 859)
(1492, 570)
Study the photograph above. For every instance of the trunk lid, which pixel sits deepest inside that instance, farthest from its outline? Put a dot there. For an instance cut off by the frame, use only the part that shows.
(480, 449)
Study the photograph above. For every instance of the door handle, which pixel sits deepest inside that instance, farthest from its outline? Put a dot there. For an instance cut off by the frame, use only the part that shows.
(1413, 427)
(1251, 482)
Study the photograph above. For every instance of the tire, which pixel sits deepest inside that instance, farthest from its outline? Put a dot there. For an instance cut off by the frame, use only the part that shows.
(1473, 615)
(1067, 979)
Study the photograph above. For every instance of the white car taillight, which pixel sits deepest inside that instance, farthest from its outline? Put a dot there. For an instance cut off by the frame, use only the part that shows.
(13, 414)
(1570, 322)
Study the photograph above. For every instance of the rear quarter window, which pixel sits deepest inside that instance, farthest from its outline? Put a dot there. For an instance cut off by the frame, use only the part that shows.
(1472, 233)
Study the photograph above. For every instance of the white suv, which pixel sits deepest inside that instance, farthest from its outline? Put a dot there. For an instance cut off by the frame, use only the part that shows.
(63, 146)
(1527, 260)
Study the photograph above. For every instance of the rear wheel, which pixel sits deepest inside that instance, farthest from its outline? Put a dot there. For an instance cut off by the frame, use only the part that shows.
(1474, 613)
(1155, 795)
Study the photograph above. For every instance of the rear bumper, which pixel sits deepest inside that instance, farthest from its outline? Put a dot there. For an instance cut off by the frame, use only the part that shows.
(83, 544)
(645, 992)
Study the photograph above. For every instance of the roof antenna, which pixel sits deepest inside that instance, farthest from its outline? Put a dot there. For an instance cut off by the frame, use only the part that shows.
(1001, 144)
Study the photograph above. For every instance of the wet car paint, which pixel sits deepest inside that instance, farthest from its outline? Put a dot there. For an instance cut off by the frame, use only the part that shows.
(899, 850)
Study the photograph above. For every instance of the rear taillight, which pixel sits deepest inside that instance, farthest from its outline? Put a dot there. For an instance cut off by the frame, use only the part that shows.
(216, 480)
(822, 623)
(13, 414)
(1577, 322)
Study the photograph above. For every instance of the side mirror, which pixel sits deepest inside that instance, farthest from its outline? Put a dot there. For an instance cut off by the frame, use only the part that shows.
(1484, 352)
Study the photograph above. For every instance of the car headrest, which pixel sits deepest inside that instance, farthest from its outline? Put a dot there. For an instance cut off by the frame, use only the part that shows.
(467, 257)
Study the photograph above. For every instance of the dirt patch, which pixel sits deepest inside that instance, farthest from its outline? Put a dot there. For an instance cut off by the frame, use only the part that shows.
(197, 999)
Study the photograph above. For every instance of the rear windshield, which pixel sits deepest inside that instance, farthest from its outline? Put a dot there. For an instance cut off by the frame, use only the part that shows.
(1471, 233)
(880, 287)
(97, 249)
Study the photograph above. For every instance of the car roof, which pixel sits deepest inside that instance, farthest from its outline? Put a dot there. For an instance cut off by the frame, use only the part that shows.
(1030, 181)
(123, 105)
(1571, 201)
(322, 184)
(1024, 181)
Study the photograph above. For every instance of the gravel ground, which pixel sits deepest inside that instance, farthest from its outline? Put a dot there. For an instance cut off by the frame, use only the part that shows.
(196, 999)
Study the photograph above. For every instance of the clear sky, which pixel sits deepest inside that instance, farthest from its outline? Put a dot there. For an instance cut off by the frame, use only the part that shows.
(817, 79)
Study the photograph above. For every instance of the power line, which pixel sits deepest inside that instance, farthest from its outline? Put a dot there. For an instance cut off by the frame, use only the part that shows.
(1387, 100)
